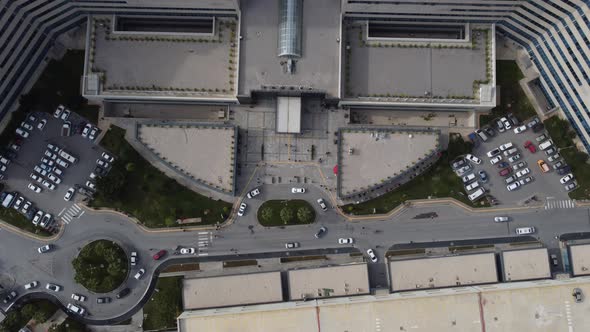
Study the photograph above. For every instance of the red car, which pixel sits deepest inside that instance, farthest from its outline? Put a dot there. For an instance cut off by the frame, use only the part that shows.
(529, 145)
(160, 254)
(505, 171)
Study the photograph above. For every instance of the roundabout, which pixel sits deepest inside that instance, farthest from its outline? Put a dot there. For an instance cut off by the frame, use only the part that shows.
(101, 266)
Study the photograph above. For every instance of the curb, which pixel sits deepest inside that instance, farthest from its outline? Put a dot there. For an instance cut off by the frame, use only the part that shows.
(21, 232)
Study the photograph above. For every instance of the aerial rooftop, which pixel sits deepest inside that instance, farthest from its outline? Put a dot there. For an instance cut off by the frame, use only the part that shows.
(329, 281)
(580, 256)
(525, 264)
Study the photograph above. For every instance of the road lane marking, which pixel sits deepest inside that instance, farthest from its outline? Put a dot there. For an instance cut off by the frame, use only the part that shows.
(62, 211)
(81, 214)
(204, 254)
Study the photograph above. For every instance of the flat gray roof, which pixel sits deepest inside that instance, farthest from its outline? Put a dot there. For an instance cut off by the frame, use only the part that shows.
(526, 264)
(232, 290)
(580, 256)
(288, 115)
(390, 70)
(318, 66)
(329, 281)
(436, 272)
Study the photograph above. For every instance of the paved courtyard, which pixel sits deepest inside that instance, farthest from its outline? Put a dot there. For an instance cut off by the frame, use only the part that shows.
(370, 157)
(205, 153)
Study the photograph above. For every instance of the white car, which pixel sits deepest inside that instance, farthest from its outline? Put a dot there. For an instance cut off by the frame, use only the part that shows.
(473, 159)
(102, 163)
(322, 204)
(44, 249)
(346, 240)
(134, 258)
(523, 172)
(495, 160)
(567, 178)
(58, 111)
(187, 251)
(520, 129)
(26, 125)
(76, 309)
(526, 180)
(22, 133)
(41, 124)
(48, 185)
(493, 152)
(107, 157)
(525, 230)
(62, 163)
(53, 287)
(90, 185)
(36, 177)
(54, 178)
(69, 194)
(506, 146)
(297, 190)
(506, 123)
(372, 255)
(513, 186)
(139, 274)
(37, 217)
(514, 158)
(78, 297)
(31, 285)
(65, 115)
(253, 193)
(34, 188)
(501, 219)
(86, 130)
(47, 161)
(242, 209)
(93, 133)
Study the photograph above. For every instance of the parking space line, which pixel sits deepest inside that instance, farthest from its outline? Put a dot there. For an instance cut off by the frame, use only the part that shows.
(204, 254)
(62, 211)
(81, 214)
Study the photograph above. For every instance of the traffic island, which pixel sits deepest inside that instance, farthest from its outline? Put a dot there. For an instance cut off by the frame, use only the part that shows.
(285, 213)
(101, 266)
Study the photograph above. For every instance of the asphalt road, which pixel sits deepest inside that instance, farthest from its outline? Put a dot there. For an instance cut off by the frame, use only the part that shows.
(21, 263)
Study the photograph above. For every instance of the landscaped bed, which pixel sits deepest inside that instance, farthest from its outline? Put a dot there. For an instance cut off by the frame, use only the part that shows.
(512, 97)
(562, 135)
(161, 311)
(39, 310)
(101, 266)
(438, 181)
(285, 212)
(137, 188)
(16, 219)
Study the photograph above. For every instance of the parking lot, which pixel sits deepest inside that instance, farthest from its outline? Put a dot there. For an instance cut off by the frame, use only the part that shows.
(544, 186)
(57, 174)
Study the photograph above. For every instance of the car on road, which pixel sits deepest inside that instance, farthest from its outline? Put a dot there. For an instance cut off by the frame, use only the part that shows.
(34, 188)
(493, 153)
(519, 165)
(53, 287)
(124, 292)
(103, 300)
(242, 209)
(322, 204)
(501, 219)
(44, 249)
(506, 146)
(78, 297)
(76, 309)
(495, 160)
(526, 180)
(514, 158)
(10, 297)
(523, 172)
(58, 111)
(505, 171)
(506, 123)
(513, 186)
(372, 255)
(107, 157)
(543, 165)
(525, 230)
(255, 192)
(483, 176)
(571, 186)
(134, 258)
(578, 295)
(346, 240)
(159, 254)
(297, 190)
(69, 194)
(41, 124)
(187, 251)
(520, 129)
(139, 274)
(320, 232)
(530, 146)
(292, 245)
(31, 285)
(473, 159)
(567, 178)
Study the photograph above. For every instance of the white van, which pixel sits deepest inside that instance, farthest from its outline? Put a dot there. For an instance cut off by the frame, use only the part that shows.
(479, 193)
(511, 151)
(545, 145)
(472, 186)
(525, 230)
(67, 156)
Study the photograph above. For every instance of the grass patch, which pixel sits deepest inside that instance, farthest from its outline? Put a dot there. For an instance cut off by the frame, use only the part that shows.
(438, 181)
(101, 266)
(512, 97)
(288, 212)
(182, 268)
(16, 219)
(473, 247)
(68, 325)
(161, 311)
(562, 135)
(302, 258)
(249, 262)
(40, 310)
(137, 188)
(405, 252)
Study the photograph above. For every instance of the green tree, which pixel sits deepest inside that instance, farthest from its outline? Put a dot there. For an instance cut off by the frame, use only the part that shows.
(304, 214)
(266, 214)
(130, 167)
(286, 215)
(170, 221)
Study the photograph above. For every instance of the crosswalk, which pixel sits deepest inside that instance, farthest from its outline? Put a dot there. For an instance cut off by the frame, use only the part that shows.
(74, 211)
(560, 204)
(204, 240)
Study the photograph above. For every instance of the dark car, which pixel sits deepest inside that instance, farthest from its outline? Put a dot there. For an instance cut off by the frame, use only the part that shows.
(103, 300)
(160, 254)
(503, 164)
(320, 232)
(123, 293)
(578, 295)
(538, 127)
(512, 119)
(505, 171)
(554, 260)
(489, 131)
(483, 176)
(564, 170)
(457, 163)
(10, 297)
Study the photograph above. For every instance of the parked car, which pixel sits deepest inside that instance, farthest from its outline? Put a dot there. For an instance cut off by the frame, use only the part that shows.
(34, 188)
(93, 133)
(541, 138)
(519, 165)
(506, 123)
(372, 255)
(37, 217)
(538, 128)
(86, 130)
(91, 185)
(530, 146)
(564, 170)
(510, 152)
(514, 158)
(554, 158)
(500, 126)
(493, 153)
(48, 185)
(526, 180)
(320, 233)
(513, 186)
(558, 164)
(102, 163)
(495, 160)
(65, 115)
(458, 163)
(571, 186)
(506, 146)
(58, 111)
(159, 254)
(520, 129)
(242, 209)
(551, 151)
(489, 131)
(505, 171)
(11, 296)
(41, 124)
(54, 178)
(297, 190)
(525, 230)
(472, 186)
(468, 178)
(292, 245)
(255, 192)
(483, 176)
(322, 204)
(107, 157)
(26, 125)
(346, 240)
(510, 179)
(473, 159)
(543, 166)
(46, 220)
(22, 133)
(578, 295)
(533, 122)
(567, 178)
(523, 172)
(503, 164)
